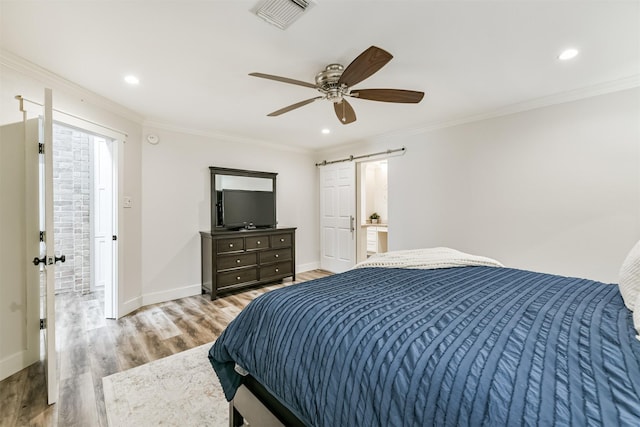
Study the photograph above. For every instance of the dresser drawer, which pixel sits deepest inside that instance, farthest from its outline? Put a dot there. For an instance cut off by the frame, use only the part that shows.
(281, 240)
(237, 277)
(230, 245)
(251, 243)
(276, 271)
(234, 261)
(275, 255)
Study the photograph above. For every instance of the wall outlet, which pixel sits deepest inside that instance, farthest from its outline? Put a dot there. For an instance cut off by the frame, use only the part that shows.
(126, 202)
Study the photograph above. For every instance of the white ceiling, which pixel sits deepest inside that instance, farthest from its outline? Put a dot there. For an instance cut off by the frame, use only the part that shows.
(192, 57)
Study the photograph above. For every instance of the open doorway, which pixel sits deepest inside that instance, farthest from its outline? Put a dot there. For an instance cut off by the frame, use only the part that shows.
(372, 209)
(84, 194)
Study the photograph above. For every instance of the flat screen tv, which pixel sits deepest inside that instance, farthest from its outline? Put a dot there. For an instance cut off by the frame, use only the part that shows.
(248, 209)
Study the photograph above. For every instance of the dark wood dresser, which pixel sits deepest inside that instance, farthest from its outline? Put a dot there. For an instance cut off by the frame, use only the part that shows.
(236, 259)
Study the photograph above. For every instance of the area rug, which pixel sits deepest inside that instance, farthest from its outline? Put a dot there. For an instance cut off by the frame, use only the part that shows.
(179, 390)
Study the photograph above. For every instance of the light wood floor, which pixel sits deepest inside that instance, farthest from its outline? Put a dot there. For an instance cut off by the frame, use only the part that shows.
(91, 347)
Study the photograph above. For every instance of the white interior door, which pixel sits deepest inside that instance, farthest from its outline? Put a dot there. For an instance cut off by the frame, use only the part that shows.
(103, 221)
(337, 216)
(46, 209)
(19, 243)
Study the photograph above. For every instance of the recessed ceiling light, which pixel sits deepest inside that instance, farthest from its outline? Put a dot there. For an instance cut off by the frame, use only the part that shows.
(568, 54)
(326, 131)
(132, 80)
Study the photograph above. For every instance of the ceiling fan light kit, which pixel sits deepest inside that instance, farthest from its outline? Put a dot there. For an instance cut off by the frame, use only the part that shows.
(282, 13)
(335, 84)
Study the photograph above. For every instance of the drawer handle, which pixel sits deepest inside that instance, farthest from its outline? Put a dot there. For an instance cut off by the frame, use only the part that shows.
(282, 240)
(277, 269)
(277, 255)
(230, 245)
(258, 242)
(237, 261)
(238, 278)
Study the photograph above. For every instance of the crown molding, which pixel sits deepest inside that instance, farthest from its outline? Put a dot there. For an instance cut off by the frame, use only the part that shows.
(32, 70)
(49, 78)
(533, 104)
(224, 137)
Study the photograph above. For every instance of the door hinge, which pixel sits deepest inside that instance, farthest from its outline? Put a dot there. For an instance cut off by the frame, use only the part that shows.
(43, 324)
(114, 237)
(42, 236)
(40, 148)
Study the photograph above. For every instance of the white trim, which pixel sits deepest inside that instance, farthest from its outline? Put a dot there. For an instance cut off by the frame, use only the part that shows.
(532, 104)
(171, 294)
(115, 248)
(301, 268)
(225, 137)
(17, 362)
(128, 306)
(50, 79)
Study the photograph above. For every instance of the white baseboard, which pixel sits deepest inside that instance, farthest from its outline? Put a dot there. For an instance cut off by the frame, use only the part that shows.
(17, 362)
(129, 306)
(307, 267)
(185, 291)
(157, 297)
(171, 294)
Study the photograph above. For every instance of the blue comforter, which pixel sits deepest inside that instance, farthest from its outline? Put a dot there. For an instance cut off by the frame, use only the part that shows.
(447, 347)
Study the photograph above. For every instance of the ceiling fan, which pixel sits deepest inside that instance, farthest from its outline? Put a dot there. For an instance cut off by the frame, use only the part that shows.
(335, 84)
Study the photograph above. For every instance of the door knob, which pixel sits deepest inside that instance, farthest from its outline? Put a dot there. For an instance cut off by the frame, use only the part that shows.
(37, 261)
(61, 258)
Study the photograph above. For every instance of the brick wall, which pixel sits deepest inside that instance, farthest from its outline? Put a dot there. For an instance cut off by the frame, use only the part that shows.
(71, 203)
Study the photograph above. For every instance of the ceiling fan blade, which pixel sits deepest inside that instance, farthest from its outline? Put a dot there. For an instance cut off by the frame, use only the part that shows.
(293, 106)
(389, 95)
(366, 64)
(345, 112)
(283, 79)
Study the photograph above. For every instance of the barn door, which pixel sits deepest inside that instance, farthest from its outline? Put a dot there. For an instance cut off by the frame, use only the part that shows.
(337, 216)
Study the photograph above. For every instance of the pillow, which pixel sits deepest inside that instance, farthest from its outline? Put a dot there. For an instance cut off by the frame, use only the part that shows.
(629, 281)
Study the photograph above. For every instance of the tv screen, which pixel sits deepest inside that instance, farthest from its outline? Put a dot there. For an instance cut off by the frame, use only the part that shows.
(244, 208)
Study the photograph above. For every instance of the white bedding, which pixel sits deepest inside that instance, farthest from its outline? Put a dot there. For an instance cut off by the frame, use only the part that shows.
(429, 258)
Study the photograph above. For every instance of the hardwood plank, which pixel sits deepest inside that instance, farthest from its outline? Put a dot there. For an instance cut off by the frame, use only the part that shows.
(77, 401)
(94, 314)
(34, 399)
(156, 319)
(11, 397)
(129, 347)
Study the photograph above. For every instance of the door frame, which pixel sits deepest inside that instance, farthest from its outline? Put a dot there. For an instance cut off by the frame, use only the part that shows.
(361, 245)
(113, 306)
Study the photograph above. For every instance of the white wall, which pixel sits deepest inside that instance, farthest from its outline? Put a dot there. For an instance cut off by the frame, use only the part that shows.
(556, 189)
(176, 204)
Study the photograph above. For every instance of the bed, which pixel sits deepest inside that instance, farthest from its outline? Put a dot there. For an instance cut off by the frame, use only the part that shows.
(421, 340)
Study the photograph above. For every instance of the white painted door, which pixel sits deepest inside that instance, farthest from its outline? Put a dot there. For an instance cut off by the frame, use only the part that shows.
(46, 208)
(19, 244)
(103, 221)
(337, 216)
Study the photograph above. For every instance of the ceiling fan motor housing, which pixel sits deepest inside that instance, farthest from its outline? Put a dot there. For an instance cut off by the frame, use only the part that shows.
(327, 83)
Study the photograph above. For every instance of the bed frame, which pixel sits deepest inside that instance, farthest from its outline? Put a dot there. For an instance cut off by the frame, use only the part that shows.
(255, 405)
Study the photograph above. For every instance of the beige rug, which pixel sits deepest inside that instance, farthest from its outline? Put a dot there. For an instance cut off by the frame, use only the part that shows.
(179, 390)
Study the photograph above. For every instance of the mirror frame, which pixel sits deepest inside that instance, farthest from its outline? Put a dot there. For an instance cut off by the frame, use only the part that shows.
(217, 171)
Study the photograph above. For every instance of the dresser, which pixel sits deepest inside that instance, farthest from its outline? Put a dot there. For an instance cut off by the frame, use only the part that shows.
(236, 259)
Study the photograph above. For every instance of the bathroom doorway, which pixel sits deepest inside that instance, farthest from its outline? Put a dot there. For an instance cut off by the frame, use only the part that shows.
(372, 209)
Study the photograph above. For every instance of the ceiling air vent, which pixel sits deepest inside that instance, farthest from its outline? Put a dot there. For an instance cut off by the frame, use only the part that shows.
(282, 13)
